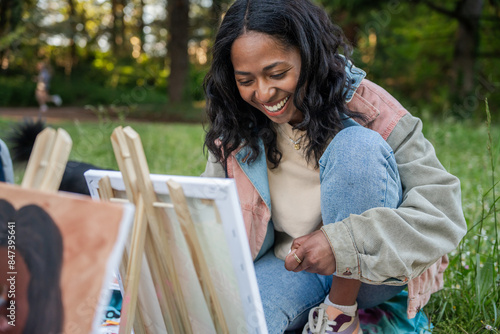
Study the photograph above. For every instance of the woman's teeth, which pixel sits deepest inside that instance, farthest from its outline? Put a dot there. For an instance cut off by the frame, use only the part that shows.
(277, 106)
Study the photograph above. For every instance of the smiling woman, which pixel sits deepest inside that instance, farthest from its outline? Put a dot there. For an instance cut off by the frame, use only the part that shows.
(339, 216)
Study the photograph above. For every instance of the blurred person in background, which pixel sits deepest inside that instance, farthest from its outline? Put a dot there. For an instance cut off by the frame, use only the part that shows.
(42, 92)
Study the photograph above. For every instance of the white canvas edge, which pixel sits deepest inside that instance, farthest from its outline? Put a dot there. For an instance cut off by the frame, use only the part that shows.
(225, 195)
(242, 261)
(112, 263)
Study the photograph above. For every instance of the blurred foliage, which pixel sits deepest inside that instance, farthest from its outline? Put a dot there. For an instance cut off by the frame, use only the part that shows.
(409, 48)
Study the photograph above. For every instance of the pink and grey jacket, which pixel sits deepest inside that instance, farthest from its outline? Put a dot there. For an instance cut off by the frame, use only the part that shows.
(407, 245)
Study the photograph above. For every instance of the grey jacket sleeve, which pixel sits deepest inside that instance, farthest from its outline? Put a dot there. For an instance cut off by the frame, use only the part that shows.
(213, 168)
(393, 246)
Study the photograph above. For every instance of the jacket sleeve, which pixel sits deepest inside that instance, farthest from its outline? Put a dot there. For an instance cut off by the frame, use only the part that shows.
(393, 246)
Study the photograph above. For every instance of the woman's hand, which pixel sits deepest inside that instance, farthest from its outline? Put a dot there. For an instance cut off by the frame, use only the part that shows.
(315, 253)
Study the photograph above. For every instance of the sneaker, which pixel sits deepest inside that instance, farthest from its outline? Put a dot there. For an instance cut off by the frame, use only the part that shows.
(326, 319)
(57, 100)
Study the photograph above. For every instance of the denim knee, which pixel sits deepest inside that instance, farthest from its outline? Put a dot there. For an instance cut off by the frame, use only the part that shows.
(358, 172)
(355, 146)
(286, 296)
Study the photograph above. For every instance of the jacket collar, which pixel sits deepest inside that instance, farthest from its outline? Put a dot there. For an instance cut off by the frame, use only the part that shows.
(354, 77)
(256, 171)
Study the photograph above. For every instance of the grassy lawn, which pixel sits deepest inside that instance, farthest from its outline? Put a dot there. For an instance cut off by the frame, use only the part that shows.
(171, 148)
(471, 298)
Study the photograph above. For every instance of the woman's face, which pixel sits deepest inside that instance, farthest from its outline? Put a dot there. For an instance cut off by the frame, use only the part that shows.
(266, 74)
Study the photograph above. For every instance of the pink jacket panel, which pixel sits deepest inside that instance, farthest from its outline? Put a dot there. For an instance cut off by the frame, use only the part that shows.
(255, 212)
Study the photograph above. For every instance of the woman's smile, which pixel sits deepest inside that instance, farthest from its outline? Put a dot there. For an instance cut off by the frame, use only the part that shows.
(277, 108)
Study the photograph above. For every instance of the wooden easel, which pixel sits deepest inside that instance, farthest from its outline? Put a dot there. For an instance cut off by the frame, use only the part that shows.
(48, 160)
(149, 237)
(151, 234)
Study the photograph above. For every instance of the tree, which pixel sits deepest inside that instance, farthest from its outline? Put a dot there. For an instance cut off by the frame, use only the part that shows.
(429, 54)
(217, 9)
(140, 24)
(468, 14)
(118, 30)
(178, 48)
(351, 15)
(72, 18)
(11, 12)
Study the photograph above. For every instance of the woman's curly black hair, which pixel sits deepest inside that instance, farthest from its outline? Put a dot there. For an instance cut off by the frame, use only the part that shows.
(320, 89)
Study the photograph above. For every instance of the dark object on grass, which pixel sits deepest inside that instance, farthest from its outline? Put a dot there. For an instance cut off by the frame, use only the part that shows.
(73, 179)
(22, 139)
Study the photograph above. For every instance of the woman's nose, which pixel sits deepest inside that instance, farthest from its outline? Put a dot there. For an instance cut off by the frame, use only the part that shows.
(264, 92)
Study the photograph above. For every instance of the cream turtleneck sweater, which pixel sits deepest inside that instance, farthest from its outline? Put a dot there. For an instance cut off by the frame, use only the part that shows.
(295, 192)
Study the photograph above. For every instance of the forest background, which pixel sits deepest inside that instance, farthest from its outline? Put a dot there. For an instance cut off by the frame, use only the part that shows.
(129, 59)
(146, 56)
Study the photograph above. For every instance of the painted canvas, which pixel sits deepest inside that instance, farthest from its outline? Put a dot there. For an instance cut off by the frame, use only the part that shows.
(58, 254)
(215, 211)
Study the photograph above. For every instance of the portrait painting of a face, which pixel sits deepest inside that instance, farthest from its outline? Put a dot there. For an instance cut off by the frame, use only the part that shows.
(58, 254)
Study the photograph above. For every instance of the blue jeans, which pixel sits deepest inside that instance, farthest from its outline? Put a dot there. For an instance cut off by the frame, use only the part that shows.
(358, 172)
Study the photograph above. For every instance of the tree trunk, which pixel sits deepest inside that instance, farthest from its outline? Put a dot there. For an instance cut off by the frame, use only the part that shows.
(466, 46)
(72, 46)
(3, 31)
(140, 24)
(121, 18)
(10, 16)
(468, 14)
(118, 30)
(216, 14)
(177, 48)
(114, 28)
(4, 7)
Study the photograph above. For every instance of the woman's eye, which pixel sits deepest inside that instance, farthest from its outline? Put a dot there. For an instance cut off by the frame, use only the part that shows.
(245, 83)
(278, 76)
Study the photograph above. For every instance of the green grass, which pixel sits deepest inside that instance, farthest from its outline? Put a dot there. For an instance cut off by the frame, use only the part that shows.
(470, 301)
(170, 148)
(471, 151)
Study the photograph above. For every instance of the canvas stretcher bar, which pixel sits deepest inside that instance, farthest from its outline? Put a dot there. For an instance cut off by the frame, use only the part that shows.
(106, 193)
(204, 277)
